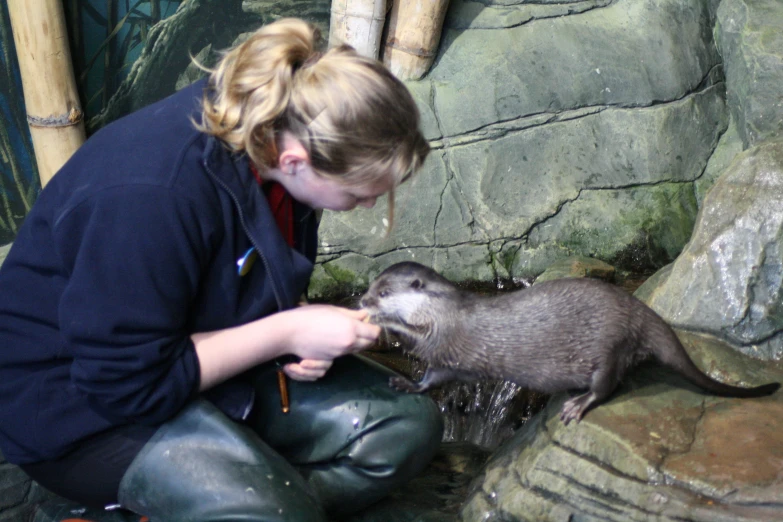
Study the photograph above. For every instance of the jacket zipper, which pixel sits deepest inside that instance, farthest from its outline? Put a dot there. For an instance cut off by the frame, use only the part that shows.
(253, 241)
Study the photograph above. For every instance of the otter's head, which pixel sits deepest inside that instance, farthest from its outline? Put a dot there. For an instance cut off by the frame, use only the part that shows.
(406, 299)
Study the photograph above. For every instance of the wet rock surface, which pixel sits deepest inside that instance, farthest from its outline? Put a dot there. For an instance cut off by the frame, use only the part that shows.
(658, 450)
(729, 279)
(749, 38)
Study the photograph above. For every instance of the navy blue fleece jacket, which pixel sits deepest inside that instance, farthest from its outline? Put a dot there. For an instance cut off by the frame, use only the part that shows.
(130, 249)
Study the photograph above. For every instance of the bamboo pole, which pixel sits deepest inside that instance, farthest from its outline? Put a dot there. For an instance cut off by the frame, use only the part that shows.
(53, 112)
(358, 23)
(413, 36)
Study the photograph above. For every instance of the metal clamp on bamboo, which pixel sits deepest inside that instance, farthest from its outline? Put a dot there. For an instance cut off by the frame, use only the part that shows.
(74, 117)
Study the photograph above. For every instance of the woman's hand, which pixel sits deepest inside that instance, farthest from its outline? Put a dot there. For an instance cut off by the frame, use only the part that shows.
(317, 334)
(325, 332)
(307, 369)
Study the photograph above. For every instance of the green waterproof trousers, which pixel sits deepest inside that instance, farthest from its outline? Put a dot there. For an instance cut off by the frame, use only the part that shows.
(346, 442)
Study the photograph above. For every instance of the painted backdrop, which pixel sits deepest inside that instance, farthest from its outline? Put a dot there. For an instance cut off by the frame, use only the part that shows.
(19, 185)
(126, 54)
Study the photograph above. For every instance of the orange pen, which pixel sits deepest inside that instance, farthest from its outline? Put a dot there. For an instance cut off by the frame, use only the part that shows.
(281, 383)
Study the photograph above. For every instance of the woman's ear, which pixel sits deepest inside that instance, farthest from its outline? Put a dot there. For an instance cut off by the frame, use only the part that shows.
(292, 155)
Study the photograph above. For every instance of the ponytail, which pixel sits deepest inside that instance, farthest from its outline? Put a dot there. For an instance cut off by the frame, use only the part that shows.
(356, 120)
(251, 87)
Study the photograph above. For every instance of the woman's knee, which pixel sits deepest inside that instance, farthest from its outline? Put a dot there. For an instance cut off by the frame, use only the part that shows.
(353, 404)
(389, 443)
(203, 466)
(418, 433)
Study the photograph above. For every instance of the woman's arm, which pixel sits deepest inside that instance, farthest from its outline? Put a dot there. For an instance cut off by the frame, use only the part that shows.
(315, 333)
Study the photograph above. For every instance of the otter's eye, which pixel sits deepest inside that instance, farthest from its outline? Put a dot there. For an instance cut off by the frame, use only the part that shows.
(383, 293)
(416, 284)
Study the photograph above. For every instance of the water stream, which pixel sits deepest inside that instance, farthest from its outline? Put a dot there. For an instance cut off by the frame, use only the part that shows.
(484, 413)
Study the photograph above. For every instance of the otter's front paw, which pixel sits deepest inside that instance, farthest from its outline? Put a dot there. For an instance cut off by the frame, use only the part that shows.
(403, 384)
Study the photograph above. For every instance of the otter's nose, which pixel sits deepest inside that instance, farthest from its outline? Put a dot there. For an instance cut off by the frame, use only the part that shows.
(367, 301)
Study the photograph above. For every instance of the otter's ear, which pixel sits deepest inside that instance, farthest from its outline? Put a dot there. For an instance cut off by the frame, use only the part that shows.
(417, 284)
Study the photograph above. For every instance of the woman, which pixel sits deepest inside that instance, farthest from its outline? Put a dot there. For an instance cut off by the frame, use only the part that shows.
(151, 296)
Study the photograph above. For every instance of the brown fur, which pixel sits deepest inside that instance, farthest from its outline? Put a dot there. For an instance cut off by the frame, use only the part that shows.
(558, 335)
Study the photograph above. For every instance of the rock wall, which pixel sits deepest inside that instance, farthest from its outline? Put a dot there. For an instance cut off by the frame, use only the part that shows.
(657, 451)
(729, 279)
(558, 129)
(749, 35)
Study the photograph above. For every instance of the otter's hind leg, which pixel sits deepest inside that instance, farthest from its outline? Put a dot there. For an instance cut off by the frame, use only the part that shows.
(603, 383)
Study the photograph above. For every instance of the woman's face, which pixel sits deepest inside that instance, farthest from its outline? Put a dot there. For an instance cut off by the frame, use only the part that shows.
(322, 192)
(296, 174)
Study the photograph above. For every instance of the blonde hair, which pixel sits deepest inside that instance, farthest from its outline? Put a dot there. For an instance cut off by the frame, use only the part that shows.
(356, 120)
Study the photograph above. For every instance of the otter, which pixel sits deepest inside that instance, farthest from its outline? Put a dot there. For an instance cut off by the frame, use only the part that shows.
(558, 335)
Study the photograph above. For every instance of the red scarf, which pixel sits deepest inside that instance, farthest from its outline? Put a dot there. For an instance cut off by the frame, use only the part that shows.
(281, 204)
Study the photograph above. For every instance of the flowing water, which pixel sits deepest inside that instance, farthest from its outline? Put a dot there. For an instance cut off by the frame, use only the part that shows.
(484, 413)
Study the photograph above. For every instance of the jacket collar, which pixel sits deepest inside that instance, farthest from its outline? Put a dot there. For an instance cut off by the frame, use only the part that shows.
(232, 172)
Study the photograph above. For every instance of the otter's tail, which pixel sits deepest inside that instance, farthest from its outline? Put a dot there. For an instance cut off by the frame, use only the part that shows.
(672, 354)
(725, 390)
